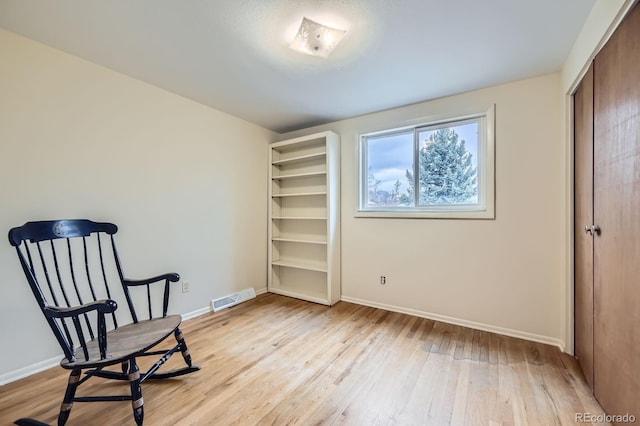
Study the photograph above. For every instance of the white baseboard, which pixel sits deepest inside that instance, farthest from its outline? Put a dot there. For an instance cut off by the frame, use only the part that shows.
(196, 313)
(207, 309)
(461, 322)
(52, 362)
(27, 371)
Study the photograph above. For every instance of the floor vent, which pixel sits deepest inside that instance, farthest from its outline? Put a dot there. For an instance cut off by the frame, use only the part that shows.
(233, 299)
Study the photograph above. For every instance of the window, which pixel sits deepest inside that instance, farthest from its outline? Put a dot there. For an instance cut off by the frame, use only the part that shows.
(441, 169)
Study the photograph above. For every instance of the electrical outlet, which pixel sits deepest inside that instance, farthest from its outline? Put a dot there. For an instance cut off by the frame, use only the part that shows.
(185, 286)
(383, 280)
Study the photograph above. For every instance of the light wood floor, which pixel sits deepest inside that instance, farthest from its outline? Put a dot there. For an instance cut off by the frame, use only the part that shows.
(279, 361)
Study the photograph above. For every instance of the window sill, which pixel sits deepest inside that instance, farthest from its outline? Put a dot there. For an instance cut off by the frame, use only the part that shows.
(487, 214)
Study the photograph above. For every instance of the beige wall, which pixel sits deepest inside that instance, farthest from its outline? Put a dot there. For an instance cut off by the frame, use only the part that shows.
(504, 275)
(185, 183)
(77, 140)
(521, 281)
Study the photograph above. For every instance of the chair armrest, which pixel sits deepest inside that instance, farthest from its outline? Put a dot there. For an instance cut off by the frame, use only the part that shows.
(167, 278)
(105, 306)
(171, 277)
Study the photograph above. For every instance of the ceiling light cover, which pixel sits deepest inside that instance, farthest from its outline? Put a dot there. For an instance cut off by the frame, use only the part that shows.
(316, 39)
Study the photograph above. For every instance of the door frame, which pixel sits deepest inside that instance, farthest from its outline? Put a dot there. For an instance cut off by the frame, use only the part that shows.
(604, 19)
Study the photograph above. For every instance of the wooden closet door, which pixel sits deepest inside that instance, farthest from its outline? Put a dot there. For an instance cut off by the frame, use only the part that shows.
(617, 212)
(583, 210)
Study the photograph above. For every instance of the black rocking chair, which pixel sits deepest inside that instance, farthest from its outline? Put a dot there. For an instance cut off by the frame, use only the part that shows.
(70, 265)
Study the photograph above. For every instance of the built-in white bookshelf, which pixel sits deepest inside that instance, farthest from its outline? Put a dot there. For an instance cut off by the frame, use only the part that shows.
(304, 218)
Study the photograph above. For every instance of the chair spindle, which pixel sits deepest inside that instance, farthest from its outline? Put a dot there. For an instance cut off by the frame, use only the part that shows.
(104, 276)
(86, 268)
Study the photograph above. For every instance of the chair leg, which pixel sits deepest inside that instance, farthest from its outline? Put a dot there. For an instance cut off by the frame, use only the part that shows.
(136, 392)
(183, 347)
(67, 402)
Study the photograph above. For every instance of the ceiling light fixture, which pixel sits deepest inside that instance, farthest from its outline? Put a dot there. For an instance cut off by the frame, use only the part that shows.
(316, 39)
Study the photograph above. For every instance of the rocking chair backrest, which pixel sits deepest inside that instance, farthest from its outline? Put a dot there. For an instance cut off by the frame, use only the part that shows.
(70, 263)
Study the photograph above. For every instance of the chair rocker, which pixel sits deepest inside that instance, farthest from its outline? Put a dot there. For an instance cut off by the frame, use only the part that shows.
(71, 266)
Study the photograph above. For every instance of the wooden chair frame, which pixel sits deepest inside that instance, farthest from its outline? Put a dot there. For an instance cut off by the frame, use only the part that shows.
(73, 292)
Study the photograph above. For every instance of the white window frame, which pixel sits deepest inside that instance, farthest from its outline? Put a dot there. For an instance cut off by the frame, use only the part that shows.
(484, 209)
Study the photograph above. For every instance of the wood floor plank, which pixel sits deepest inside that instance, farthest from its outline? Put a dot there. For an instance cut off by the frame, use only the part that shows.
(281, 361)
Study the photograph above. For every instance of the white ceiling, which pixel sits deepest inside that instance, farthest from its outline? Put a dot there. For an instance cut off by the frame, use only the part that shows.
(233, 54)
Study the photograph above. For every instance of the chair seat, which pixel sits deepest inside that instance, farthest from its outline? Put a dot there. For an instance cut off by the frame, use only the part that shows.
(124, 341)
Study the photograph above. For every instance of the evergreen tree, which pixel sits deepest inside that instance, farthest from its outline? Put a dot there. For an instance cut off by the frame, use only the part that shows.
(446, 174)
(395, 194)
(407, 199)
(373, 185)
